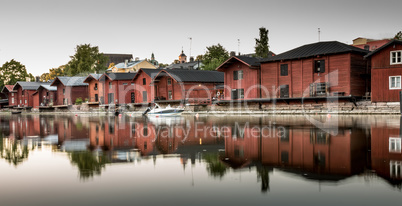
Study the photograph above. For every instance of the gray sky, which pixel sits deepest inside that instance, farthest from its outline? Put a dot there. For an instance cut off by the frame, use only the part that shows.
(43, 34)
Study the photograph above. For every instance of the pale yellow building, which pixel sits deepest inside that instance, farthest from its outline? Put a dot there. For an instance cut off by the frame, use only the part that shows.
(131, 66)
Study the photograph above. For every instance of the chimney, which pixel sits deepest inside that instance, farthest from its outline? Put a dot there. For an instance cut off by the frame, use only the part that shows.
(137, 59)
(191, 59)
(37, 79)
(232, 53)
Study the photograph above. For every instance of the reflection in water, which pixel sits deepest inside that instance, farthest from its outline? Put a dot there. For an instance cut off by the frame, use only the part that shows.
(356, 146)
(88, 164)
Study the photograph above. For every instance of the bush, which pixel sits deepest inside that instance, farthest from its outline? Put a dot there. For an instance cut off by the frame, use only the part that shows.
(78, 101)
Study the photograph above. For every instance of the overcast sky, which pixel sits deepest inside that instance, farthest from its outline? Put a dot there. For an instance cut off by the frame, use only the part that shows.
(43, 34)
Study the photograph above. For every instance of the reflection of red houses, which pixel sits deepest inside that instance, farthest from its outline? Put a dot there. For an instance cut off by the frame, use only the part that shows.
(307, 149)
(177, 85)
(386, 156)
(386, 71)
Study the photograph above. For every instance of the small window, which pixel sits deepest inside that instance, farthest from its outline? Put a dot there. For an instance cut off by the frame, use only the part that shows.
(284, 69)
(170, 95)
(319, 66)
(110, 85)
(12, 94)
(396, 57)
(395, 82)
(96, 86)
(395, 144)
(132, 83)
(144, 81)
(367, 47)
(145, 131)
(64, 91)
(169, 81)
(238, 75)
(237, 93)
(125, 84)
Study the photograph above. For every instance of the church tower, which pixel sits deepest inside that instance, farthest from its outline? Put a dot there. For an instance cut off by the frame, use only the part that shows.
(182, 57)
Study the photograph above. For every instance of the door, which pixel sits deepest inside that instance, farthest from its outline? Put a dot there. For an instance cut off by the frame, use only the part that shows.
(110, 98)
(284, 91)
(234, 94)
(144, 96)
(96, 97)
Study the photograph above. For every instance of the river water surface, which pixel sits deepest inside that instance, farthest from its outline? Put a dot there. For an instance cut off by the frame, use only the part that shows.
(206, 160)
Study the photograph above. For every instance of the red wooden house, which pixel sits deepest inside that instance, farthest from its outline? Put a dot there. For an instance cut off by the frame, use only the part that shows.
(45, 95)
(95, 88)
(242, 74)
(10, 94)
(144, 92)
(181, 85)
(316, 70)
(69, 89)
(386, 72)
(25, 91)
(118, 88)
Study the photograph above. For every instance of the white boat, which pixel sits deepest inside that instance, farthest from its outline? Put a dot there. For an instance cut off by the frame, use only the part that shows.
(159, 111)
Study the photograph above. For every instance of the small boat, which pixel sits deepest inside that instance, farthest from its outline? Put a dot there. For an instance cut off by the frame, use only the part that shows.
(15, 112)
(159, 111)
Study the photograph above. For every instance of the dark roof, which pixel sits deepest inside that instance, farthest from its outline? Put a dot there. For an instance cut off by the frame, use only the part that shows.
(182, 75)
(116, 58)
(252, 61)
(70, 81)
(315, 49)
(30, 85)
(150, 72)
(120, 76)
(394, 41)
(92, 76)
(186, 65)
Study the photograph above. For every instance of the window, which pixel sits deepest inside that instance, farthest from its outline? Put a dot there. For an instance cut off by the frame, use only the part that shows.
(395, 169)
(170, 95)
(132, 83)
(169, 81)
(96, 86)
(144, 81)
(111, 128)
(395, 82)
(12, 94)
(12, 100)
(319, 66)
(284, 69)
(25, 101)
(366, 47)
(125, 84)
(396, 57)
(110, 85)
(145, 131)
(238, 75)
(237, 93)
(395, 144)
(64, 91)
(144, 96)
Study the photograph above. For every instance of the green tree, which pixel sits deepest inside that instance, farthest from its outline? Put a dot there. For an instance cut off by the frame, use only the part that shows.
(398, 36)
(215, 55)
(88, 165)
(86, 59)
(214, 166)
(53, 73)
(261, 44)
(14, 71)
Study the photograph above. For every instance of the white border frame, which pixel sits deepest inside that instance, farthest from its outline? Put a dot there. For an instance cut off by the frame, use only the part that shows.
(389, 83)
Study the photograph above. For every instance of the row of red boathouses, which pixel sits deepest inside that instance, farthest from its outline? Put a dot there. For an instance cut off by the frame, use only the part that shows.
(314, 71)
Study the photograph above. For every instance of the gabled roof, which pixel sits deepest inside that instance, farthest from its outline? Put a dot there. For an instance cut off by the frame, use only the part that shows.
(183, 75)
(92, 76)
(48, 87)
(316, 49)
(150, 72)
(9, 88)
(70, 81)
(392, 42)
(186, 65)
(29, 85)
(249, 61)
(118, 76)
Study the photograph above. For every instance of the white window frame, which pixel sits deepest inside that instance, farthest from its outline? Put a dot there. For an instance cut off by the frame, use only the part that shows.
(390, 82)
(395, 169)
(396, 57)
(395, 144)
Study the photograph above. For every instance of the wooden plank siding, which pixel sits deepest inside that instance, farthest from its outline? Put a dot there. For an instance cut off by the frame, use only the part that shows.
(381, 70)
(342, 71)
(139, 88)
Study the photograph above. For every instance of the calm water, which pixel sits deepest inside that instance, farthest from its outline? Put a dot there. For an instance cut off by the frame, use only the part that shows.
(238, 160)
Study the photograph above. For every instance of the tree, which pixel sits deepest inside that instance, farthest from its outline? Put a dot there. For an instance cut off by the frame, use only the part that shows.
(86, 59)
(261, 44)
(398, 36)
(215, 56)
(53, 73)
(14, 71)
